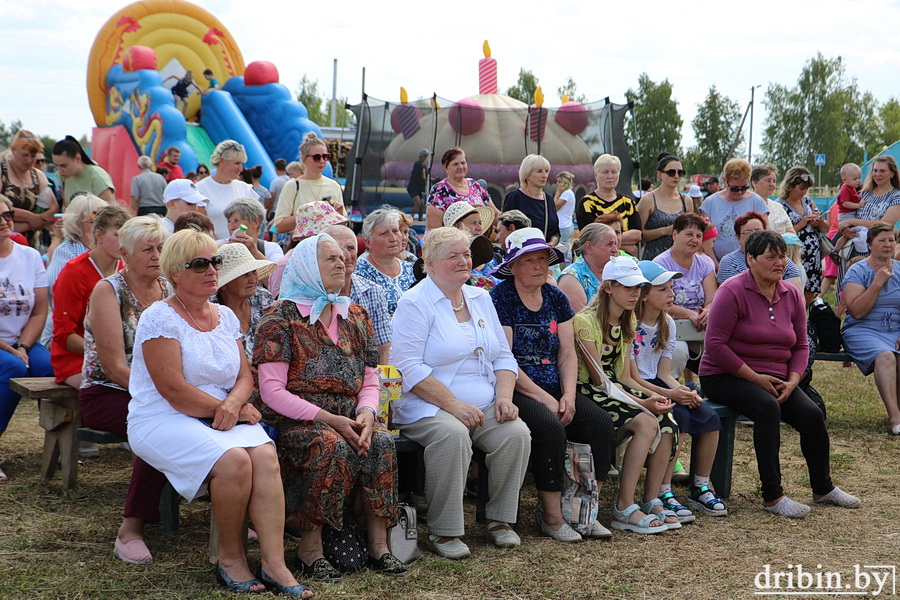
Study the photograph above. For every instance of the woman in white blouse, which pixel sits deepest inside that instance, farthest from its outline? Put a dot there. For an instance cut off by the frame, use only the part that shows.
(458, 380)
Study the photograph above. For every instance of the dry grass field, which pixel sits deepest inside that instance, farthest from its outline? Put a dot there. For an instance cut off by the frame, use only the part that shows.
(58, 544)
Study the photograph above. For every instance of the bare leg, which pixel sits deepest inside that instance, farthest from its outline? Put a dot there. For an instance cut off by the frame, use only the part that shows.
(131, 528)
(707, 444)
(376, 529)
(230, 485)
(887, 371)
(670, 468)
(643, 429)
(267, 512)
(657, 465)
(310, 547)
(552, 511)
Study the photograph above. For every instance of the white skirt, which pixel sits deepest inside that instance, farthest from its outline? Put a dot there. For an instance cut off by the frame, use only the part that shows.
(185, 449)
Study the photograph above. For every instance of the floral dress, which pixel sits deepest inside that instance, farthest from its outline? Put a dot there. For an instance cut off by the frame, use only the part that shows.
(323, 476)
(443, 195)
(393, 286)
(809, 237)
(612, 361)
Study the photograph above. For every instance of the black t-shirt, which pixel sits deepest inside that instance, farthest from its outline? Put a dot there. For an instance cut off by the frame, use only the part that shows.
(417, 179)
(536, 210)
(592, 206)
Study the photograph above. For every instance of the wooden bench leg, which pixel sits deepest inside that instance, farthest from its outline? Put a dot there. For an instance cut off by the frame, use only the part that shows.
(169, 501)
(60, 419)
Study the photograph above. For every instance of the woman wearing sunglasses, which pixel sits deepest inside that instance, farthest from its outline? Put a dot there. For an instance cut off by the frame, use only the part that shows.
(808, 223)
(23, 304)
(312, 186)
(190, 417)
(225, 186)
(659, 209)
(734, 200)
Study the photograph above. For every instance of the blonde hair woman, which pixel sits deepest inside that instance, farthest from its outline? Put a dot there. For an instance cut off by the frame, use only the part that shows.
(225, 185)
(25, 185)
(531, 199)
(605, 199)
(734, 200)
(311, 186)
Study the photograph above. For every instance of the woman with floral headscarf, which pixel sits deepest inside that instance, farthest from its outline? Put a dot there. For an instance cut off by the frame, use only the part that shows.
(318, 385)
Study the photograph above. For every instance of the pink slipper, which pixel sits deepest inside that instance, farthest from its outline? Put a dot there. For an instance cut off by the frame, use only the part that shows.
(135, 552)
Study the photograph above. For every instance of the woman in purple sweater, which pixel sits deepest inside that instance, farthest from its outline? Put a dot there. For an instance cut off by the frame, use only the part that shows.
(756, 352)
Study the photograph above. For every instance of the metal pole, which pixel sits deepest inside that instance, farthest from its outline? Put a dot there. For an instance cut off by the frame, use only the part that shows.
(334, 96)
(750, 140)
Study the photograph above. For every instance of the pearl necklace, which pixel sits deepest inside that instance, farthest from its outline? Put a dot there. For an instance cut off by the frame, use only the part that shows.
(192, 316)
(462, 304)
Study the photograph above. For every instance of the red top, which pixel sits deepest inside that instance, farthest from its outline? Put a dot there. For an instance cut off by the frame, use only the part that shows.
(745, 328)
(846, 194)
(175, 171)
(71, 293)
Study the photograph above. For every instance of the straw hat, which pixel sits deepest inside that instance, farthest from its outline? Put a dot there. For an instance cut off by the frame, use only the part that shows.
(237, 261)
(313, 217)
(462, 209)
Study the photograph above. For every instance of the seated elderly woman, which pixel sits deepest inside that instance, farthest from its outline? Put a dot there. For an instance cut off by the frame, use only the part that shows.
(735, 262)
(381, 232)
(73, 289)
(872, 295)
(756, 352)
(458, 380)
(239, 289)
(596, 244)
(190, 417)
(23, 304)
(115, 306)
(537, 320)
(245, 216)
(318, 384)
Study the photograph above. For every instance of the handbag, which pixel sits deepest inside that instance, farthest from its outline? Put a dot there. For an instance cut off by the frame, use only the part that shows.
(825, 246)
(345, 549)
(403, 538)
(580, 498)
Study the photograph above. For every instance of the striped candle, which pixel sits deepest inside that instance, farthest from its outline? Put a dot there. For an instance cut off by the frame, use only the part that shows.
(487, 72)
(408, 116)
(537, 122)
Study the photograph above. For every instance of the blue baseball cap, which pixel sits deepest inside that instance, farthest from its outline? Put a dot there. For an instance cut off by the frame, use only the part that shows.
(655, 273)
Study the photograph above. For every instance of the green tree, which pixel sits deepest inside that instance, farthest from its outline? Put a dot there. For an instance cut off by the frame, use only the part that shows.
(7, 132)
(308, 96)
(569, 88)
(889, 115)
(715, 125)
(525, 87)
(656, 126)
(825, 113)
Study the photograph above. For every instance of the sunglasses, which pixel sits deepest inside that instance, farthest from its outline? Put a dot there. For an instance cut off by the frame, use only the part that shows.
(805, 177)
(40, 161)
(233, 146)
(317, 157)
(739, 188)
(8, 215)
(675, 172)
(200, 265)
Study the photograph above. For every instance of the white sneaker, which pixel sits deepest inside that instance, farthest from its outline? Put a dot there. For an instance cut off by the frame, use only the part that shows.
(789, 508)
(839, 497)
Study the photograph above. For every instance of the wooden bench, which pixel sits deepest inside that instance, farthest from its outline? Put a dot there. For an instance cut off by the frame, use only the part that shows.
(841, 357)
(169, 499)
(60, 416)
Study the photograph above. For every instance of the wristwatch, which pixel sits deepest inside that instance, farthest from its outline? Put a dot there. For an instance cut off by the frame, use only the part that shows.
(25, 346)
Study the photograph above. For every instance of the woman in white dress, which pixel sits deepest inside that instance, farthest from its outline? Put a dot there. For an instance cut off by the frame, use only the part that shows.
(189, 416)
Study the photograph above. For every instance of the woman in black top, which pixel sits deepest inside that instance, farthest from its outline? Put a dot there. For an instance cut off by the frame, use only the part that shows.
(531, 199)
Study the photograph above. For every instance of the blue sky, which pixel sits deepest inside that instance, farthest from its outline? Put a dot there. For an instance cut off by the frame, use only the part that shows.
(435, 47)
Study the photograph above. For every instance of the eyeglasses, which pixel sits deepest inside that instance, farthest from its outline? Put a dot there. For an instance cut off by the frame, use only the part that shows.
(317, 157)
(40, 161)
(200, 265)
(675, 172)
(8, 215)
(738, 188)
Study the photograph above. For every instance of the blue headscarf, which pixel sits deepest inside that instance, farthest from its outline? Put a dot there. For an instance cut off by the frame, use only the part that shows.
(302, 281)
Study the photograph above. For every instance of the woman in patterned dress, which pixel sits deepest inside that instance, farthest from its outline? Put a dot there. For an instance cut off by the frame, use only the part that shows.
(23, 184)
(240, 291)
(808, 223)
(455, 187)
(318, 385)
(604, 331)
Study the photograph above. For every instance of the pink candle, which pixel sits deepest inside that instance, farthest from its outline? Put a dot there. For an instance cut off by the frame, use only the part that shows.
(487, 72)
(537, 122)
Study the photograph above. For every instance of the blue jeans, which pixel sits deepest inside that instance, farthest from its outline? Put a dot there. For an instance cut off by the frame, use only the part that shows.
(12, 366)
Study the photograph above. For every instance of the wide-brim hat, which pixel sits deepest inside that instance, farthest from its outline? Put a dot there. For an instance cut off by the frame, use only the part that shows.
(625, 271)
(237, 261)
(522, 241)
(313, 217)
(462, 209)
(656, 274)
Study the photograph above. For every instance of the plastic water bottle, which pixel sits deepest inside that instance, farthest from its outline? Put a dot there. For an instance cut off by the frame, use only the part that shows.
(43, 201)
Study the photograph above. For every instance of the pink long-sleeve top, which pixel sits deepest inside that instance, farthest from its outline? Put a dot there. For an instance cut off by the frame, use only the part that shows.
(273, 382)
(745, 328)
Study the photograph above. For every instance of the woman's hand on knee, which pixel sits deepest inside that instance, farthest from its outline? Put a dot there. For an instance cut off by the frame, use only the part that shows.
(768, 383)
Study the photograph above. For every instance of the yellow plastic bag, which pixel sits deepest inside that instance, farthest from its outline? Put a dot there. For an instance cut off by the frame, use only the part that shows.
(391, 388)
